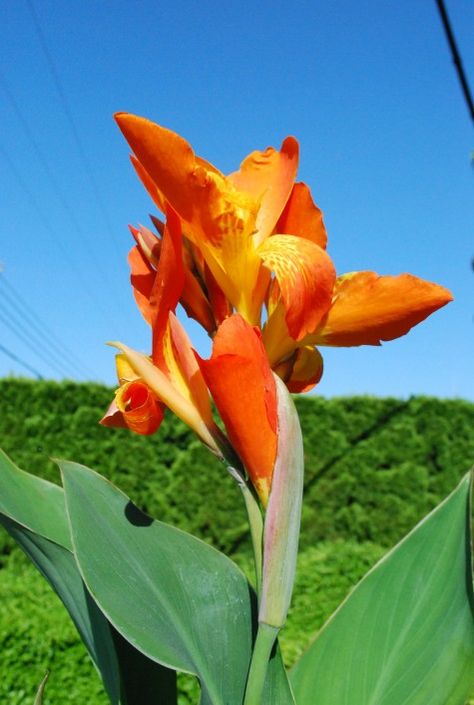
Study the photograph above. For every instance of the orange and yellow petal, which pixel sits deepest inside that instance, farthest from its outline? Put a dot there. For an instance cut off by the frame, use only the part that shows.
(136, 408)
(306, 277)
(302, 217)
(268, 177)
(302, 371)
(169, 281)
(243, 387)
(142, 276)
(368, 308)
(165, 391)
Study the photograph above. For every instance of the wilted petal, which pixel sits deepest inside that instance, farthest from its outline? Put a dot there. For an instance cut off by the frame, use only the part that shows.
(302, 217)
(242, 385)
(368, 309)
(269, 177)
(306, 277)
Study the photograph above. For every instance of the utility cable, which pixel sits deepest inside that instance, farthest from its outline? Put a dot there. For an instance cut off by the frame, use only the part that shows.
(85, 288)
(72, 124)
(456, 57)
(38, 332)
(19, 332)
(21, 362)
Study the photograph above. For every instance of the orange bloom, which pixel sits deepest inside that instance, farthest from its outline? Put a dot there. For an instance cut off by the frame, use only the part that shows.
(255, 241)
(243, 387)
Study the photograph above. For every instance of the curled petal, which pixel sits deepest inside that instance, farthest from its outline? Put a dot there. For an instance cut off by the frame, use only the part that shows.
(136, 408)
(163, 388)
(368, 309)
(302, 217)
(302, 371)
(269, 177)
(306, 277)
(242, 385)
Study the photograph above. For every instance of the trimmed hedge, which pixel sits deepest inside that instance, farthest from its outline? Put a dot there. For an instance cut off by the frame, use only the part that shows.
(374, 467)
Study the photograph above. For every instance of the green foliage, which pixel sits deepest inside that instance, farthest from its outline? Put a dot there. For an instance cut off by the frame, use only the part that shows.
(374, 467)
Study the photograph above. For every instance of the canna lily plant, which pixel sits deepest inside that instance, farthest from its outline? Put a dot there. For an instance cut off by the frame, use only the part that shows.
(245, 256)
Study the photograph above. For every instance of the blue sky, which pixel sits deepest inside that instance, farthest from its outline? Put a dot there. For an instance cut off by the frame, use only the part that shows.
(369, 90)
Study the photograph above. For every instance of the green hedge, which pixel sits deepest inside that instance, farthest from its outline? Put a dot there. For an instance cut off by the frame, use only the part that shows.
(374, 467)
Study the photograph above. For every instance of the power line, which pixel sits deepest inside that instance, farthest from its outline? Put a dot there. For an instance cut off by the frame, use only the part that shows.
(36, 327)
(21, 362)
(85, 288)
(83, 235)
(456, 57)
(23, 334)
(72, 124)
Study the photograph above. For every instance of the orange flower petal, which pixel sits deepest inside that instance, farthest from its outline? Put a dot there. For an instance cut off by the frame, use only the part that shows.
(169, 282)
(306, 277)
(302, 217)
(307, 370)
(242, 385)
(167, 159)
(268, 177)
(150, 186)
(142, 276)
(369, 308)
(136, 408)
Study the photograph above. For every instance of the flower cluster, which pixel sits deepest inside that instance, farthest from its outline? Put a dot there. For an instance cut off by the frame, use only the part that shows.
(245, 255)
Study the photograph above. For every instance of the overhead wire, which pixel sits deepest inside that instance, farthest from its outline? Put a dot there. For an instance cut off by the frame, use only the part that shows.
(72, 124)
(21, 362)
(22, 334)
(45, 335)
(83, 239)
(456, 57)
(85, 287)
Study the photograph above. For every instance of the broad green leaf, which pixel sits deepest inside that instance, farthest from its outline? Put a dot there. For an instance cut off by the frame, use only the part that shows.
(405, 635)
(175, 598)
(34, 513)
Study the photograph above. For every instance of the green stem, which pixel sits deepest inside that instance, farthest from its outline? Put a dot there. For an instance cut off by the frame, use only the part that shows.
(256, 532)
(262, 650)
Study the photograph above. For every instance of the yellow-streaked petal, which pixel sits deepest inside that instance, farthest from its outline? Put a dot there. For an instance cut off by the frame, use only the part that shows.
(125, 372)
(269, 177)
(302, 217)
(368, 308)
(160, 384)
(306, 277)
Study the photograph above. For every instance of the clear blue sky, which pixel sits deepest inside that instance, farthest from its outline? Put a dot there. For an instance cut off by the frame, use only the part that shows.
(367, 87)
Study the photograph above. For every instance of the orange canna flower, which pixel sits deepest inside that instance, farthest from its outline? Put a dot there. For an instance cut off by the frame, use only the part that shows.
(255, 244)
(243, 387)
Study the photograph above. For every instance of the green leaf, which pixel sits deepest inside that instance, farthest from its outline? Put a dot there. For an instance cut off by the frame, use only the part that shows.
(34, 513)
(405, 635)
(175, 598)
(40, 693)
